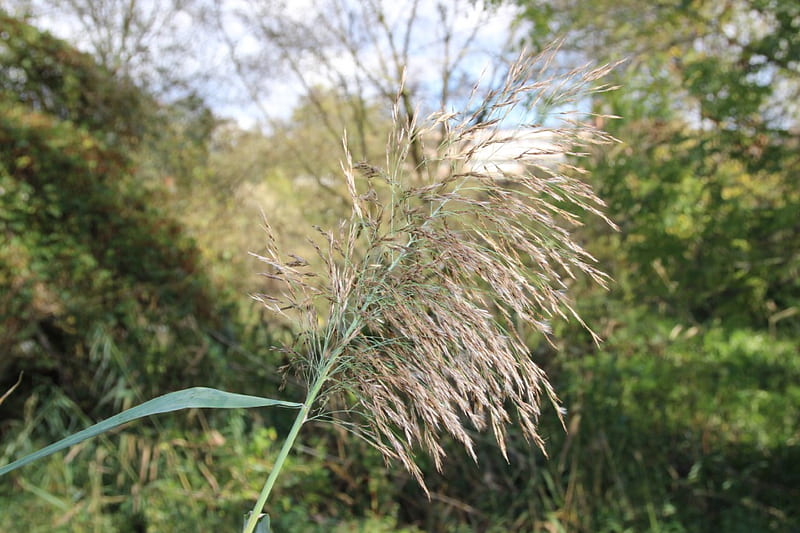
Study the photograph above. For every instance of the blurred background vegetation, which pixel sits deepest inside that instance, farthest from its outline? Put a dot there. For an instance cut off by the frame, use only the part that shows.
(128, 202)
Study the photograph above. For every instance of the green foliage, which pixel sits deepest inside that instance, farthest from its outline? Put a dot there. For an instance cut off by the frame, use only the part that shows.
(685, 430)
(703, 236)
(102, 294)
(706, 189)
(83, 250)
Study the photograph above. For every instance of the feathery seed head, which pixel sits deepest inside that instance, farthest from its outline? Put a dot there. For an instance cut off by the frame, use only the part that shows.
(416, 316)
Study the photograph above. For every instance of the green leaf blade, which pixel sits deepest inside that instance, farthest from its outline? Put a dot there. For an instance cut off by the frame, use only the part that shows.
(193, 398)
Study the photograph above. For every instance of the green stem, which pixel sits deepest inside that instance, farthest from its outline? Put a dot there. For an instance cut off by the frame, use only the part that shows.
(302, 416)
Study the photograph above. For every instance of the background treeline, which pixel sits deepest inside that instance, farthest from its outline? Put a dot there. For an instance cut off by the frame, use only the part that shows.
(127, 208)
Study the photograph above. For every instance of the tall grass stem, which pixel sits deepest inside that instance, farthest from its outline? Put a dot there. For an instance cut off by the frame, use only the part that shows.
(302, 417)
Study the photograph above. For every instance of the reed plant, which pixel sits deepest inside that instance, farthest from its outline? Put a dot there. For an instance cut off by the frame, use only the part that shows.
(411, 319)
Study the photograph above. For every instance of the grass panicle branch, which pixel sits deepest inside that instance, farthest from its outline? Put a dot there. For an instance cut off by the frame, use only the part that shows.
(415, 320)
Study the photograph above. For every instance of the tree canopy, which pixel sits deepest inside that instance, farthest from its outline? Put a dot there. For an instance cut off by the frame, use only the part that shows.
(705, 188)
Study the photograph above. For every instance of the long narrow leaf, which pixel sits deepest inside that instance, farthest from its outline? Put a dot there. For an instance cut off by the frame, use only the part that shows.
(195, 397)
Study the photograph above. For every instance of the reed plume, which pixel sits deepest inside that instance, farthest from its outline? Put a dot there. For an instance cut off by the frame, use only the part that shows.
(414, 325)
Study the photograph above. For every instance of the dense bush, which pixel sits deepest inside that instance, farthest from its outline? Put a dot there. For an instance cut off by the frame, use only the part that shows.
(102, 294)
